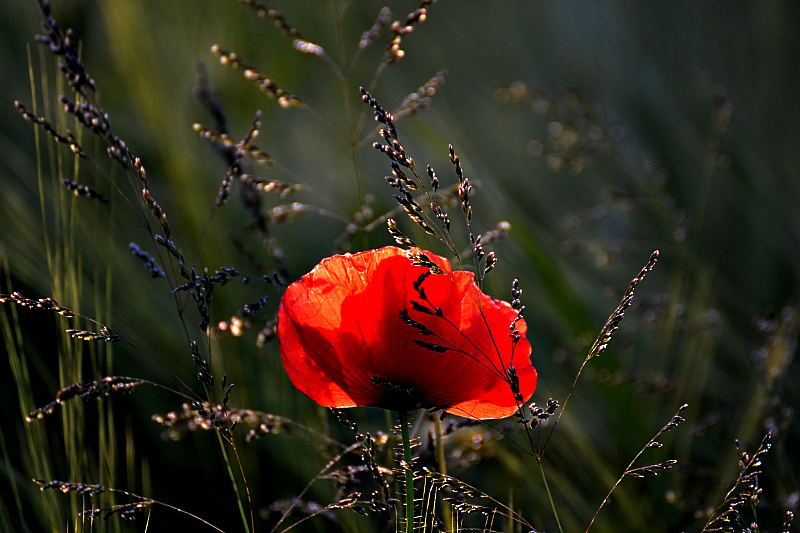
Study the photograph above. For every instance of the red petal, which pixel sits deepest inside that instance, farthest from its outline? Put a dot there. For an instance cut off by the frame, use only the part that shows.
(340, 327)
(309, 327)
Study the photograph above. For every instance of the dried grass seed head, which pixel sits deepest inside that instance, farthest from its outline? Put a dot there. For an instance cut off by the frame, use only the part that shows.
(421, 98)
(374, 32)
(98, 388)
(68, 139)
(266, 85)
(399, 30)
(81, 190)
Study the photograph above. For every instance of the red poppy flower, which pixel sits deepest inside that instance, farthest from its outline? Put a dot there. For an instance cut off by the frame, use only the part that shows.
(373, 329)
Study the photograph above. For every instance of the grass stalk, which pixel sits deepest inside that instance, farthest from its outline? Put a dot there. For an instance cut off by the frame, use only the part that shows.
(441, 460)
(232, 477)
(549, 496)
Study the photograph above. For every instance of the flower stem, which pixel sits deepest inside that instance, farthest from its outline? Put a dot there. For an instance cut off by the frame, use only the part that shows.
(409, 472)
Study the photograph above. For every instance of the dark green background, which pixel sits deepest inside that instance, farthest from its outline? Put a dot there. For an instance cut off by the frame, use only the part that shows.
(717, 196)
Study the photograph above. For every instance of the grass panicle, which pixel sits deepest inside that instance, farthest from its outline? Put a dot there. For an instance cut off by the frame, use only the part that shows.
(266, 85)
(612, 324)
(241, 320)
(68, 139)
(204, 416)
(81, 190)
(63, 44)
(148, 261)
(369, 37)
(37, 304)
(648, 470)
(126, 510)
(731, 514)
(400, 30)
(104, 335)
(421, 98)
(601, 342)
(234, 149)
(99, 388)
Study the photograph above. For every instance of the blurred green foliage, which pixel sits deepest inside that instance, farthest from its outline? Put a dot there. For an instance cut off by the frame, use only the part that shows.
(599, 130)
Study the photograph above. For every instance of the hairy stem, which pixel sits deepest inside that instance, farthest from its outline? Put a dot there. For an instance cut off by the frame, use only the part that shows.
(409, 472)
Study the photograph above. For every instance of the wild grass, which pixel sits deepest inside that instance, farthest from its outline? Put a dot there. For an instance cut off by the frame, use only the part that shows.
(156, 208)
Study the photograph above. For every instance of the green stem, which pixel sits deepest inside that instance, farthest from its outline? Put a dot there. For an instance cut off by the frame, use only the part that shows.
(233, 482)
(549, 496)
(539, 456)
(409, 472)
(441, 459)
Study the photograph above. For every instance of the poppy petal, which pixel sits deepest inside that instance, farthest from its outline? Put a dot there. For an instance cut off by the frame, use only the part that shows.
(374, 329)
